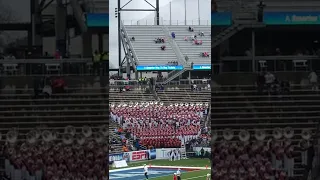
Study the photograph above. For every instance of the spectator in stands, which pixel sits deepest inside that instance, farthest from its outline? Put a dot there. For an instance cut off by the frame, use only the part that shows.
(105, 62)
(204, 54)
(57, 54)
(190, 29)
(201, 34)
(159, 40)
(269, 80)
(173, 63)
(163, 47)
(186, 58)
(173, 35)
(133, 38)
(310, 159)
(58, 85)
(96, 62)
(261, 82)
(313, 78)
(38, 85)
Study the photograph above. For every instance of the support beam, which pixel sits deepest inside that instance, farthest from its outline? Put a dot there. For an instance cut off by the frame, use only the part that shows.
(79, 15)
(138, 10)
(44, 6)
(35, 20)
(87, 45)
(122, 8)
(61, 27)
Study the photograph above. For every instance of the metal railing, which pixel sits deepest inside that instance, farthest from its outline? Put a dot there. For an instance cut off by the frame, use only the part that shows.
(180, 82)
(32, 67)
(273, 63)
(174, 45)
(168, 22)
(135, 57)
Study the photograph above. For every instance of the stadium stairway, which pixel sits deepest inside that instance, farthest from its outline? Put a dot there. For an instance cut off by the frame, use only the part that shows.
(146, 50)
(188, 48)
(77, 107)
(183, 95)
(232, 30)
(240, 107)
(112, 127)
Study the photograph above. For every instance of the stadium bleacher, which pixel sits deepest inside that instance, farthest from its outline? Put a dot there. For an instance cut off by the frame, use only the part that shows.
(147, 51)
(188, 48)
(171, 103)
(40, 132)
(280, 125)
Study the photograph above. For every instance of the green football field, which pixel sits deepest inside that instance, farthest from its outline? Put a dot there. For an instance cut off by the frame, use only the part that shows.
(196, 162)
(190, 175)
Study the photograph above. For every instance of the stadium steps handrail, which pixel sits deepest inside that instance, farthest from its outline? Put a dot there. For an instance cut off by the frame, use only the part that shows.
(135, 57)
(174, 45)
(175, 74)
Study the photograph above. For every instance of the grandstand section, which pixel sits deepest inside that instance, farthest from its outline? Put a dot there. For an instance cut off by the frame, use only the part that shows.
(265, 95)
(146, 50)
(180, 50)
(291, 120)
(69, 124)
(145, 121)
(160, 123)
(188, 48)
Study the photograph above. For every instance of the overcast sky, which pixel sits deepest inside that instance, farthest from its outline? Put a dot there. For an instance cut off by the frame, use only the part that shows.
(177, 15)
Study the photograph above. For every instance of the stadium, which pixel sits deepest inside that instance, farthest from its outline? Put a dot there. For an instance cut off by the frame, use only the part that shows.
(264, 98)
(159, 102)
(54, 98)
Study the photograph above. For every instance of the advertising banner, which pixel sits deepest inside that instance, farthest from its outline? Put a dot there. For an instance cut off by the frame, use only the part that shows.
(97, 19)
(221, 18)
(140, 155)
(163, 153)
(291, 18)
(201, 67)
(115, 157)
(198, 149)
(159, 68)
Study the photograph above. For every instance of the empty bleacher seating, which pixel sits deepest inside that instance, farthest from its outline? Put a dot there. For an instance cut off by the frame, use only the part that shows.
(147, 51)
(187, 48)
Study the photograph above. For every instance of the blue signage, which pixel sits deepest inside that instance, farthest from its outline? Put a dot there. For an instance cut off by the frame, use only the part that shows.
(291, 18)
(221, 19)
(97, 20)
(115, 157)
(159, 68)
(201, 67)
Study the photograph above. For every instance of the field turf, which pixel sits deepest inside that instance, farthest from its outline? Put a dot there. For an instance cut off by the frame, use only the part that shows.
(167, 174)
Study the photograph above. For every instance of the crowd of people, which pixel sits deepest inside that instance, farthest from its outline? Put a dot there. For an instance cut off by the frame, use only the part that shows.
(253, 159)
(158, 125)
(57, 160)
